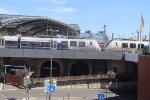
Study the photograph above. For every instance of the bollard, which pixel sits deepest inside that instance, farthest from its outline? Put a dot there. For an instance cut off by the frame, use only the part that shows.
(68, 95)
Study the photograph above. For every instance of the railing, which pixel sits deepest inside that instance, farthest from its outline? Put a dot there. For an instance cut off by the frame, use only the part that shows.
(18, 81)
(82, 77)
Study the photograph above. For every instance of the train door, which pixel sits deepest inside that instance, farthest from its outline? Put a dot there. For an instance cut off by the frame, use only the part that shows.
(54, 44)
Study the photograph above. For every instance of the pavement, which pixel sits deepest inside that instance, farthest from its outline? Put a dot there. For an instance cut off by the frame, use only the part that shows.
(7, 87)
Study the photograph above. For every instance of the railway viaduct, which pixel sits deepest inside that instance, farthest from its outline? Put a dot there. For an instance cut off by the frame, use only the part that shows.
(71, 62)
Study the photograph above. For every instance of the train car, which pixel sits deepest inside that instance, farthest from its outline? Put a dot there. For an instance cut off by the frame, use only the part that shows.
(127, 45)
(47, 43)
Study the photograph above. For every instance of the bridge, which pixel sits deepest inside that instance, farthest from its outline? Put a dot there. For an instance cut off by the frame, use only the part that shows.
(68, 54)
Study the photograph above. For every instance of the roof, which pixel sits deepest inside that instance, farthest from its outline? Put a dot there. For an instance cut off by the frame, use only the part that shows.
(34, 25)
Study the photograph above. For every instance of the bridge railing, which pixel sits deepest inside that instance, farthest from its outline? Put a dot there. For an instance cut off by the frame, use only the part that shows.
(18, 81)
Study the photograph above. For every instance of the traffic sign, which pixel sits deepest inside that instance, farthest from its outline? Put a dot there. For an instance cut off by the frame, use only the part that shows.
(51, 88)
(101, 96)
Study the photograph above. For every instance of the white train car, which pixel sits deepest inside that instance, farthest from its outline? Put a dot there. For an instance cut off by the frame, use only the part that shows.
(127, 45)
(47, 43)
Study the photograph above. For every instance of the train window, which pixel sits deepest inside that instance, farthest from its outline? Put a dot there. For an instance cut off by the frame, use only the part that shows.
(64, 44)
(142, 45)
(11, 43)
(26, 44)
(116, 44)
(34, 44)
(2, 42)
(38, 44)
(124, 45)
(90, 43)
(73, 43)
(132, 45)
(81, 44)
(45, 44)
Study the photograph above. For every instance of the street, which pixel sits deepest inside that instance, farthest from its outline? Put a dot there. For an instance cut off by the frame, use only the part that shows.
(13, 93)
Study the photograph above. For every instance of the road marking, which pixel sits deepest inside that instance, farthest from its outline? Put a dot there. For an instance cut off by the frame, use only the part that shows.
(10, 89)
(29, 98)
(21, 92)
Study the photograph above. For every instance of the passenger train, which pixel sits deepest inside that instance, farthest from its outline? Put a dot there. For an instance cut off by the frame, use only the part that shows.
(47, 43)
(127, 45)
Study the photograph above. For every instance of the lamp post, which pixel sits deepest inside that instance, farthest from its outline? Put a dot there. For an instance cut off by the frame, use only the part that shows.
(51, 59)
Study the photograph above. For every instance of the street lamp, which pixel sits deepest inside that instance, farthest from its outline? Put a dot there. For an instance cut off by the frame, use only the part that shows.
(51, 59)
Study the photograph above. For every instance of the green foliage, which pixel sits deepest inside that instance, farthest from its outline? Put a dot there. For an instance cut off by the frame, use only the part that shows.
(144, 52)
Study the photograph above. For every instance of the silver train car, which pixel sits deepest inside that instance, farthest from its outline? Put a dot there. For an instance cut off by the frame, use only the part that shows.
(127, 45)
(47, 43)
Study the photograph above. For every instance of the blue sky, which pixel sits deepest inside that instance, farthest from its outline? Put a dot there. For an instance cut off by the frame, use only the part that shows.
(122, 17)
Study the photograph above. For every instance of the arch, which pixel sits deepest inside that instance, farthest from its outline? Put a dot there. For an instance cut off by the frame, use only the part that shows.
(45, 69)
(79, 68)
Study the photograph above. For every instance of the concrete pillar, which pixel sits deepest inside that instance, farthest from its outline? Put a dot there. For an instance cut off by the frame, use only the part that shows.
(69, 62)
(61, 65)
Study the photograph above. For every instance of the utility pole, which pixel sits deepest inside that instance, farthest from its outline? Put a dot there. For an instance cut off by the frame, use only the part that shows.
(149, 38)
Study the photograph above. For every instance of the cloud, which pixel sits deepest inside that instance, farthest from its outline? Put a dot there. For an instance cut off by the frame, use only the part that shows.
(62, 10)
(6, 11)
(53, 1)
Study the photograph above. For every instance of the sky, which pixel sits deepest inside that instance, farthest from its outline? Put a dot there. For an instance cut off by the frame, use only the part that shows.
(121, 17)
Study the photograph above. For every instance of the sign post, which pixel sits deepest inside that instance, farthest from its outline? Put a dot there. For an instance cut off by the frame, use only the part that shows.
(50, 86)
(27, 83)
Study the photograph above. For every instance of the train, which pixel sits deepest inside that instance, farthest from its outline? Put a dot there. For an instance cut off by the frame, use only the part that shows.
(58, 43)
(127, 45)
